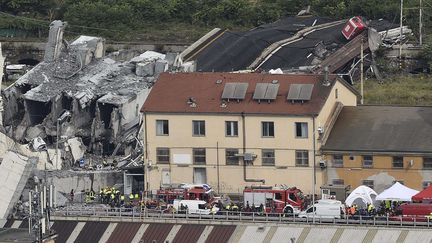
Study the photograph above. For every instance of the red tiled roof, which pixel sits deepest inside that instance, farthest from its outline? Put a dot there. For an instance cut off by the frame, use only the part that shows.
(171, 92)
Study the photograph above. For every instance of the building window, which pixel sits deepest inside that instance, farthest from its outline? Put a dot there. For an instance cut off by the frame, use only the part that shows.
(162, 127)
(198, 128)
(338, 182)
(268, 157)
(336, 94)
(231, 128)
(301, 129)
(268, 129)
(338, 160)
(367, 161)
(231, 157)
(163, 155)
(369, 183)
(426, 184)
(427, 163)
(397, 162)
(302, 158)
(199, 156)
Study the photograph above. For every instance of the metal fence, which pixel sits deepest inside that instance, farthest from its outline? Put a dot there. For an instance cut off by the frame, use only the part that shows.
(138, 214)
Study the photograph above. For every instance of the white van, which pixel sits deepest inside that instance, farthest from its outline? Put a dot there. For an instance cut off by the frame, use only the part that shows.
(193, 206)
(325, 208)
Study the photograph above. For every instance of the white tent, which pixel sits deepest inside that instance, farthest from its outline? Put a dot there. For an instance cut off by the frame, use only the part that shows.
(397, 192)
(361, 196)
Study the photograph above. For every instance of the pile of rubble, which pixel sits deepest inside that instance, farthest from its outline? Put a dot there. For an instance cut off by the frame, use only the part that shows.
(79, 100)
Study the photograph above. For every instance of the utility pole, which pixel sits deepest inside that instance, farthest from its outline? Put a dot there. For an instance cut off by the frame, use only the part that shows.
(401, 32)
(420, 24)
(361, 72)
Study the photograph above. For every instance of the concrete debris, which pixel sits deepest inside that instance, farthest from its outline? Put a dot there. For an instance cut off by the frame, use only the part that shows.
(15, 170)
(77, 148)
(276, 71)
(38, 144)
(81, 100)
(148, 56)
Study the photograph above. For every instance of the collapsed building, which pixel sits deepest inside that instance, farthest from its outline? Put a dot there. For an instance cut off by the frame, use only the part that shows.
(79, 100)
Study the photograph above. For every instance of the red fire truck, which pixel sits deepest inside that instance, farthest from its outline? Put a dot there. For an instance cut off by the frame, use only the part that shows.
(282, 199)
(186, 192)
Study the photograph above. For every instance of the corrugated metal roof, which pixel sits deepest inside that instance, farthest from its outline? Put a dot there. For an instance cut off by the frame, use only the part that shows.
(178, 88)
(92, 232)
(63, 230)
(157, 232)
(284, 234)
(254, 234)
(220, 234)
(353, 235)
(124, 232)
(189, 233)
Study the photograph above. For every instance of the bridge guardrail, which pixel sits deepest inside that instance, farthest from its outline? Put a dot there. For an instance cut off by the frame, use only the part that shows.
(136, 213)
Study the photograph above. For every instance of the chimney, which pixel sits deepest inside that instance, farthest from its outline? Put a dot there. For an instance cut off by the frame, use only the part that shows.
(326, 81)
(55, 39)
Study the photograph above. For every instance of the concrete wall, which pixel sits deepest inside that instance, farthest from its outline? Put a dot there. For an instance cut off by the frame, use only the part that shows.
(65, 181)
(382, 172)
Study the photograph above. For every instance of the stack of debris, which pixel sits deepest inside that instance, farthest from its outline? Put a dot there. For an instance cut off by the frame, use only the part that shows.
(79, 100)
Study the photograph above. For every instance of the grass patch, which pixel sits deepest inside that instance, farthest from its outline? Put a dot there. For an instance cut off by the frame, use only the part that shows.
(401, 90)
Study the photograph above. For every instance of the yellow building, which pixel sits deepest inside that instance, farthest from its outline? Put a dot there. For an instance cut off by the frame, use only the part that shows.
(378, 145)
(232, 130)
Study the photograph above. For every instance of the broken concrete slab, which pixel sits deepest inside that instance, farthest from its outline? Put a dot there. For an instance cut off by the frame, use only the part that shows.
(161, 66)
(149, 56)
(145, 69)
(15, 170)
(77, 148)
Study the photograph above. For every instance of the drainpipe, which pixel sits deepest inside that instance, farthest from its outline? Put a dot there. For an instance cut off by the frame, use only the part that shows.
(145, 155)
(244, 151)
(314, 167)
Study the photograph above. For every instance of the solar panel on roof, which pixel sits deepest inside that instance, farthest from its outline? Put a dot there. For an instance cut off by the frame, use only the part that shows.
(294, 92)
(272, 91)
(240, 91)
(306, 92)
(228, 91)
(260, 91)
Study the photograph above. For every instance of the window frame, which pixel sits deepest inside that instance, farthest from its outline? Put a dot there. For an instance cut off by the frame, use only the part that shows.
(201, 130)
(393, 162)
(338, 165)
(233, 125)
(201, 156)
(338, 181)
(158, 155)
(302, 158)
(427, 160)
(300, 125)
(364, 165)
(263, 158)
(162, 121)
(267, 129)
(368, 183)
(228, 157)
